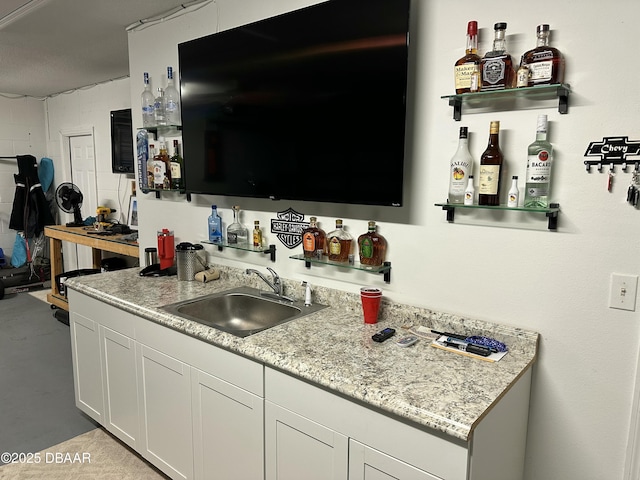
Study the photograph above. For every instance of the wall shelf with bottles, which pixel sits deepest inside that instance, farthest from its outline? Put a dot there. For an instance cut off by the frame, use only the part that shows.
(384, 269)
(270, 250)
(485, 99)
(551, 213)
(158, 191)
(169, 130)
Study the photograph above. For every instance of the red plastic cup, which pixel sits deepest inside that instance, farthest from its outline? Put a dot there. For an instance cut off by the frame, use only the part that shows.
(370, 297)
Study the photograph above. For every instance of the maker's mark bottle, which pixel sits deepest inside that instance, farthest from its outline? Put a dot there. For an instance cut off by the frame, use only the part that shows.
(465, 66)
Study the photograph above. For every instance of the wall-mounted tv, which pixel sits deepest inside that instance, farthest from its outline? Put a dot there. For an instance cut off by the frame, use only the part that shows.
(121, 142)
(308, 105)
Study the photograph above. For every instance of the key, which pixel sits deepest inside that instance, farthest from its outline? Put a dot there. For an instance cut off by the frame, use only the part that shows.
(610, 181)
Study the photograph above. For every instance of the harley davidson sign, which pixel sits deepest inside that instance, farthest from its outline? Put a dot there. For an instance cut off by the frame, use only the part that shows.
(288, 227)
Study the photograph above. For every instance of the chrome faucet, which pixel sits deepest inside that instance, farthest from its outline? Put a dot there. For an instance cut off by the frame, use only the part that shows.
(275, 285)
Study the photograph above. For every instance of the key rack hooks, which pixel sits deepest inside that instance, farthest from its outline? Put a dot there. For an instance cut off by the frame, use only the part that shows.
(599, 164)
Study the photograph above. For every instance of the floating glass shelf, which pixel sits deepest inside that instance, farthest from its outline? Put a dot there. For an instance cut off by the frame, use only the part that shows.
(484, 99)
(270, 250)
(551, 212)
(384, 269)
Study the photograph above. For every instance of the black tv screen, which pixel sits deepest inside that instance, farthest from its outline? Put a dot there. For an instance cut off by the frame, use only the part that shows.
(308, 105)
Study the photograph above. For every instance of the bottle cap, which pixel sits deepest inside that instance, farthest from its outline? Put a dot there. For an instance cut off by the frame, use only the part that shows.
(500, 26)
(313, 219)
(472, 28)
(542, 28)
(464, 132)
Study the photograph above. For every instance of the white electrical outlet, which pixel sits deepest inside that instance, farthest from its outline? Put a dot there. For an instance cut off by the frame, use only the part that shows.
(622, 293)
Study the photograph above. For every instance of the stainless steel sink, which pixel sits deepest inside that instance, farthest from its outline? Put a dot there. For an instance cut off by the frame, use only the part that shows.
(241, 311)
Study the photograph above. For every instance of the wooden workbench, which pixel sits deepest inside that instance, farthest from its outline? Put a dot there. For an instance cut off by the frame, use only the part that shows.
(81, 236)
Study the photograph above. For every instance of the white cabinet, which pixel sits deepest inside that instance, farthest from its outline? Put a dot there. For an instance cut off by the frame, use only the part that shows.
(227, 429)
(165, 403)
(119, 384)
(365, 463)
(298, 448)
(87, 369)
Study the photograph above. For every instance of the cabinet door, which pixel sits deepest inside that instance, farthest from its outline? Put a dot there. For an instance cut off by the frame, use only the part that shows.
(87, 372)
(165, 412)
(119, 385)
(298, 448)
(228, 430)
(365, 463)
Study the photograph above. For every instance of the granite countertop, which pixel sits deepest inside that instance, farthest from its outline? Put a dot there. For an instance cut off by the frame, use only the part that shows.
(332, 348)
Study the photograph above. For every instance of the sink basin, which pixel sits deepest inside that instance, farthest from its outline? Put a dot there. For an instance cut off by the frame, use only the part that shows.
(241, 311)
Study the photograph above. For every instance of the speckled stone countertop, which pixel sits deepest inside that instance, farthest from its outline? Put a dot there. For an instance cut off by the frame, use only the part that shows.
(333, 349)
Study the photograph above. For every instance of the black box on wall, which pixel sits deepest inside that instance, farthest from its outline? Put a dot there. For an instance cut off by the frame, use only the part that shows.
(122, 159)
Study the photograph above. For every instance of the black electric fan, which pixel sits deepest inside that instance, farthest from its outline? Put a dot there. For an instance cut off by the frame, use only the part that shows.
(69, 199)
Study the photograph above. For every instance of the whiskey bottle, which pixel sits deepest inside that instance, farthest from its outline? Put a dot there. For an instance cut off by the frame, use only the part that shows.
(372, 247)
(497, 65)
(339, 244)
(545, 63)
(314, 239)
(459, 168)
(176, 167)
(539, 162)
(490, 169)
(464, 67)
(257, 234)
(162, 169)
(237, 234)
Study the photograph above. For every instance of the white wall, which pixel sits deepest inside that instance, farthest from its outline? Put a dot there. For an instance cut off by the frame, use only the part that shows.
(21, 133)
(89, 110)
(485, 266)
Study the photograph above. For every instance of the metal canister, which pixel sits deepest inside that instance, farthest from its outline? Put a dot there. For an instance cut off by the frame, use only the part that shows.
(188, 261)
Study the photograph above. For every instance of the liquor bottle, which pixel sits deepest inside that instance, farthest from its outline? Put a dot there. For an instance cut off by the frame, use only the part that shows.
(162, 169)
(257, 234)
(215, 225)
(176, 167)
(545, 63)
(469, 192)
(171, 100)
(460, 166)
(339, 243)
(490, 169)
(539, 163)
(372, 247)
(464, 67)
(150, 166)
(497, 65)
(523, 74)
(148, 104)
(237, 234)
(514, 194)
(159, 108)
(314, 239)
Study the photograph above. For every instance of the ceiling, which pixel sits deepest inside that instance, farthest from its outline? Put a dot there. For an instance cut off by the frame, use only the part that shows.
(52, 46)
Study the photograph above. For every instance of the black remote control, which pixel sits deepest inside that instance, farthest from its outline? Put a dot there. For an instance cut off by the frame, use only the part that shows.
(383, 335)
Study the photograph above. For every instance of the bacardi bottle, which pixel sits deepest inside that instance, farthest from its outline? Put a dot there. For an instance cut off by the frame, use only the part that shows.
(539, 162)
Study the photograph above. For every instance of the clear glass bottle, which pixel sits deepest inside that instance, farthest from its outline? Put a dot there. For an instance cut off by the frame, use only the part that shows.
(459, 168)
(177, 165)
(514, 193)
(372, 247)
(215, 225)
(469, 192)
(237, 234)
(148, 104)
(339, 243)
(314, 239)
(491, 169)
(159, 108)
(545, 63)
(497, 65)
(464, 67)
(172, 101)
(257, 234)
(539, 163)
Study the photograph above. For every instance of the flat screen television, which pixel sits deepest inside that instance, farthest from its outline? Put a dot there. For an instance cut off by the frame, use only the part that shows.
(121, 142)
(308, 105)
